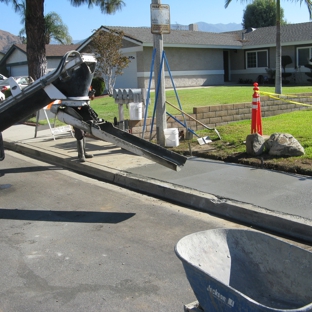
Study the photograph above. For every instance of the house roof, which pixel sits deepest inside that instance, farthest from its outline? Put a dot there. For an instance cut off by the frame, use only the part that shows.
(291, 34)
(265, 36)
(144, 36)
(52, 50)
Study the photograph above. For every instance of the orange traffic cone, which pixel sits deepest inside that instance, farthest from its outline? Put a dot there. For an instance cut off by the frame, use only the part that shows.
(256, 121)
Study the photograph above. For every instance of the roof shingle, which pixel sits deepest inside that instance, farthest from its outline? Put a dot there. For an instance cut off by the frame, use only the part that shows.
(53, 50)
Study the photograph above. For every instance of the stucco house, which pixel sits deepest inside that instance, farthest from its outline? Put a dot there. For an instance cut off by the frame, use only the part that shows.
(195, 58)
(200, 58)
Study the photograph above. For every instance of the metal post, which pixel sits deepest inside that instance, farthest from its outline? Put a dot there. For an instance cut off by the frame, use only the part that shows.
(161, 122)
(278, 55)
(121, 116)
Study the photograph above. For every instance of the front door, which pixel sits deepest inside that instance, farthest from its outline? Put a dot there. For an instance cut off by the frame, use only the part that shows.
(226, 65)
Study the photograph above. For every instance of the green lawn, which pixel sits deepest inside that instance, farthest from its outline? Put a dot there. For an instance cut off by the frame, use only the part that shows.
(189, 98)
(234, 134)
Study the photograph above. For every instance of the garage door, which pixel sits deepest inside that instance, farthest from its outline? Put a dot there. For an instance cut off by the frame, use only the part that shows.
(21, 70)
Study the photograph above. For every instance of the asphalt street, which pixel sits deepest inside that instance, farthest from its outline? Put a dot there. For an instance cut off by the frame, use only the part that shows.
(72, 243)
(266, 199)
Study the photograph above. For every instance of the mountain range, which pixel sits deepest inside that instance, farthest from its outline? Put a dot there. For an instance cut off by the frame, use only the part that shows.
(7, 39)
(215, 28)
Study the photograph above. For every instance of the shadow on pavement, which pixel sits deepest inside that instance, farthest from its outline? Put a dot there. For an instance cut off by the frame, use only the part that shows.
(65, 216)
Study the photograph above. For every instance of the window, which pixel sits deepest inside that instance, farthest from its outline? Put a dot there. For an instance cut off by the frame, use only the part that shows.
(303, 56)
(257, 59)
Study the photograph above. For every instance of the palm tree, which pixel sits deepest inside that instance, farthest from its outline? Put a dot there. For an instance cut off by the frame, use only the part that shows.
(278, 58)
(106, 6)
(36, 30)
(54, 27)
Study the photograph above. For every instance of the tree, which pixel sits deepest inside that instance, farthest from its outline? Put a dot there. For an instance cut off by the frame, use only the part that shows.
(278, 65)
(261, 13)
(106, 46)
(54, 27)
(35, 29)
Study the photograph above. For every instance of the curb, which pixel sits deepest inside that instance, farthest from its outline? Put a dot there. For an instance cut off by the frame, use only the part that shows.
(287, 225)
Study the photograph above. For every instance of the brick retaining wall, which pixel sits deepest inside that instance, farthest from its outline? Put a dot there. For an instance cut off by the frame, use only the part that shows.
(217, 115)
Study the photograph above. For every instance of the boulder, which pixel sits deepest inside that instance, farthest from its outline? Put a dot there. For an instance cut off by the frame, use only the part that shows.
(255, 144)
(283, 144)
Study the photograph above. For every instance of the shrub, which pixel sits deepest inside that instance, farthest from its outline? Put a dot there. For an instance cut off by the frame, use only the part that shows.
(7, 93)
(98, 85)
(270, 72)
(245, 81)
(309, 65)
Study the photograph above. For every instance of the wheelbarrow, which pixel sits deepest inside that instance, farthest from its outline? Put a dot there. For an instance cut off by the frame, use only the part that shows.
(245, 270)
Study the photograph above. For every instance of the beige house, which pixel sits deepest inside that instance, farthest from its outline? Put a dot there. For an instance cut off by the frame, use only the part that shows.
(200, 58)
(194, 58)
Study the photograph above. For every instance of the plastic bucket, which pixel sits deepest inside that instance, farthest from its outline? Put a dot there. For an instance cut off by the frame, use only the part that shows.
(135, 111)
(171, 137)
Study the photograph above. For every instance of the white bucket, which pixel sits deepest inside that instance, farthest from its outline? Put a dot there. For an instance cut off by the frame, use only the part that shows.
(135, 111)
(171, 137)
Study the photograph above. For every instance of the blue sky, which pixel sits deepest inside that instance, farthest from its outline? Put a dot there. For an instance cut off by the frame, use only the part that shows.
(82, 21)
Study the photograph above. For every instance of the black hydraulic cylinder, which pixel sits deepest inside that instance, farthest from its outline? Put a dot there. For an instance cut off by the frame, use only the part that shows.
(1, 148)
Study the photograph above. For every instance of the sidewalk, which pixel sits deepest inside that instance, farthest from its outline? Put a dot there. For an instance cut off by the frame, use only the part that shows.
(273, 201)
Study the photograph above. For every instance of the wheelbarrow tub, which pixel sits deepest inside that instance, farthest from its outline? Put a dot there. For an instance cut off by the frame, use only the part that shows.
(245, 270)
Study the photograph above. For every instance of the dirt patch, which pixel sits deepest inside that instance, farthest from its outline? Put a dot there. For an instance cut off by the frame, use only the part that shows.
(223, 153)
